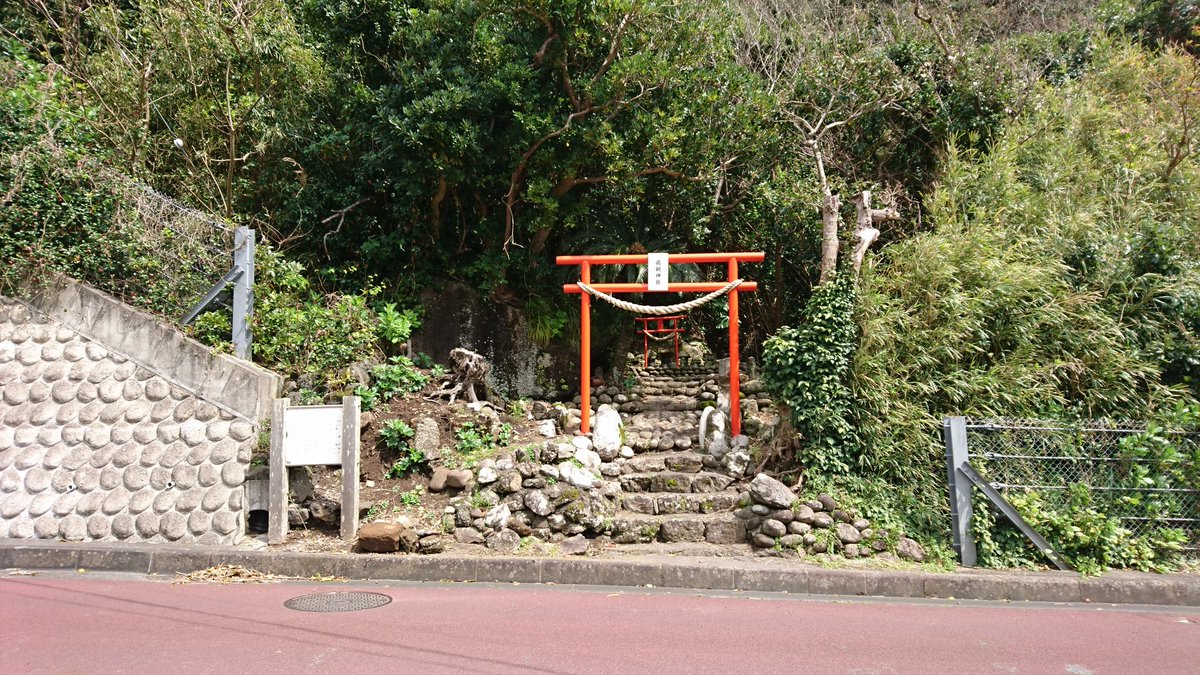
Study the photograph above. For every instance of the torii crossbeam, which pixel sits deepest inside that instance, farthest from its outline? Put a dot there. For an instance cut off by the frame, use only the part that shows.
(585, 263)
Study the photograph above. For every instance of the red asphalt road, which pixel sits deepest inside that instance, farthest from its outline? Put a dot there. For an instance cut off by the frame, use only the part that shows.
(88, 625)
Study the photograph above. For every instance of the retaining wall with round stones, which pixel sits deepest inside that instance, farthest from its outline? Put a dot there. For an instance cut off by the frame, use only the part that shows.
(95, 446)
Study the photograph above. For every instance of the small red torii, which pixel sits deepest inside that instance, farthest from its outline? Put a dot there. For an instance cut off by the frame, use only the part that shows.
(661, 285)
(658, 325)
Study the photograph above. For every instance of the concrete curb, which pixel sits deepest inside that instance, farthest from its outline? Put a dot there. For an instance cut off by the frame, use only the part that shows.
(714, 574)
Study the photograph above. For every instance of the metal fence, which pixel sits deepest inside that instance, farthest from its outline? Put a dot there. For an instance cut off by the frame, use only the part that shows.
(1147, 478)
(190, 250)
(176, 261)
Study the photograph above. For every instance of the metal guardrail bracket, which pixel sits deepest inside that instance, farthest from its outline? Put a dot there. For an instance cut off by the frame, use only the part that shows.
(1009, 512)
(230, 276)
(241, 275)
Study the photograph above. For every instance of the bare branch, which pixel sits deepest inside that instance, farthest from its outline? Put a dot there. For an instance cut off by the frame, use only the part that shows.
(928, 20)
(518, 174)
(612, 51)
(340, 214)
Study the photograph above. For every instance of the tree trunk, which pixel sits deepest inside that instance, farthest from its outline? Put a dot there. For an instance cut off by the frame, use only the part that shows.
(829, 236)
(865, 232)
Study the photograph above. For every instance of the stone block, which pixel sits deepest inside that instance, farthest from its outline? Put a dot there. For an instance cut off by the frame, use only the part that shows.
(726, 530)
(386, 537)
(682, 530)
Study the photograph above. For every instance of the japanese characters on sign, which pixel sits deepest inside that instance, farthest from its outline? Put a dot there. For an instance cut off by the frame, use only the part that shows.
(657, 271)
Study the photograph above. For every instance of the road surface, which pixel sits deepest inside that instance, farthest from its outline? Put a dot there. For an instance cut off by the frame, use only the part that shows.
(81, 623)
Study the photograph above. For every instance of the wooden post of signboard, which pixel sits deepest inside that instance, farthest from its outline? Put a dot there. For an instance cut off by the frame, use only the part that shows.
(277, 517)
(350, 415)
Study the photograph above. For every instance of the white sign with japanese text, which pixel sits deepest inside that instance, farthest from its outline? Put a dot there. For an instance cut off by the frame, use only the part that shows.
(313, 435)
(658, 271)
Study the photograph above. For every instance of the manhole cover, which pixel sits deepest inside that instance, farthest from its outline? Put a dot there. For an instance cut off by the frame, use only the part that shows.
(338, 602)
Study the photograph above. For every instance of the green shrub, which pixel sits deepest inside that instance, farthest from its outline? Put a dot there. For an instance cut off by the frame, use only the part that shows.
(410, 459)
(398, 376)
(298, 331)
(396, 434)
(395, 326)
(1155, 22)
(1084, 535)
(412, 497)
(395, 378)
(473, 444)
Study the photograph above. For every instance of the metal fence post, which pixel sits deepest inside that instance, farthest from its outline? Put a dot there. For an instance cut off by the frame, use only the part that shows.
(954, 432)
(243, 292)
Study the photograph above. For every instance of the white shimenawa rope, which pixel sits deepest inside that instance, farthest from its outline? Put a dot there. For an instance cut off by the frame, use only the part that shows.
(660, 311)
(659, 338)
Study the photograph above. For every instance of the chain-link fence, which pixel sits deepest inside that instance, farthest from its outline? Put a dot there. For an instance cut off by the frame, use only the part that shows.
(141, 246)
(177, 252)
(1146, 477)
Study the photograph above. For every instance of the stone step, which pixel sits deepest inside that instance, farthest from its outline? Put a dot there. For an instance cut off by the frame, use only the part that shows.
(655, 418)
(715, 528)
(672, 404)
(675, 481)
(666, 503)
(700, 549)
(682, 462)
(685, 393)
(675, 442)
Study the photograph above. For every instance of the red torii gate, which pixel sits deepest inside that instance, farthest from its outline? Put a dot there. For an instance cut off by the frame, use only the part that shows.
(657, 325)
(585, 263)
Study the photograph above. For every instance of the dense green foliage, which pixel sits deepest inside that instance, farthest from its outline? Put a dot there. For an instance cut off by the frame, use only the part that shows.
(1040, 154)
(1059, 281)
(474, 139)
(808, 367)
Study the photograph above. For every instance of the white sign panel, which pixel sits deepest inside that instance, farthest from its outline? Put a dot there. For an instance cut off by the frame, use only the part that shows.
(658, 271)
(312, 435)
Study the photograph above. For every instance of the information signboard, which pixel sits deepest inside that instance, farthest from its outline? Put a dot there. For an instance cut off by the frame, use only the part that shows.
(313, 435)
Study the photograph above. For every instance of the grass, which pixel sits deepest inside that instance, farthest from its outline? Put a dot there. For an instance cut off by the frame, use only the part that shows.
(838, 561)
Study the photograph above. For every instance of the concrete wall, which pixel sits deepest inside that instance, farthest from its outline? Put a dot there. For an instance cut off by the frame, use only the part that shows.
(238, 385)
(148, 439)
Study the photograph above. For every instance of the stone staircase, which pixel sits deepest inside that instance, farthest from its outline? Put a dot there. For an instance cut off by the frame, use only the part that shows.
(670, 496)
(665, 405)
(670, 491)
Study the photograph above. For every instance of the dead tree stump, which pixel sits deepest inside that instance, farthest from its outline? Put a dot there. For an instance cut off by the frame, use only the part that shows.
(468, 369)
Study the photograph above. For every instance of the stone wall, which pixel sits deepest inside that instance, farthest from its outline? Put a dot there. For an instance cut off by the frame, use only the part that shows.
(98, 445)
(778, 522)
(240, 386)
